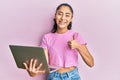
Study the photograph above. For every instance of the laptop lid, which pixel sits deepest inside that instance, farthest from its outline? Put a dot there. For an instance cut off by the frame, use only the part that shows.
(22, 54)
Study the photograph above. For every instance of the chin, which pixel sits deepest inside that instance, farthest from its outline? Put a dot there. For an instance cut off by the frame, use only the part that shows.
(62, 26)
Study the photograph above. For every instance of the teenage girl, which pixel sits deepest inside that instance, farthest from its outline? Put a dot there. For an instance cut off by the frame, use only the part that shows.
(61, 47)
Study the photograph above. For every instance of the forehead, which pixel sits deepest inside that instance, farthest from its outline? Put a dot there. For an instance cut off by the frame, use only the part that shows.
(64, 9)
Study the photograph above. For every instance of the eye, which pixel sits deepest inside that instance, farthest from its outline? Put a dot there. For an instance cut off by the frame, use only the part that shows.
(67, 15)
(59, 13)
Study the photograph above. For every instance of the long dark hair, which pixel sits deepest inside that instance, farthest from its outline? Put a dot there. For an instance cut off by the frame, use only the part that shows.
(55, 24)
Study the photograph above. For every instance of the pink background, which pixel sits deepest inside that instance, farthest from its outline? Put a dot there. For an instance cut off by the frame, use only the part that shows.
(25, 21)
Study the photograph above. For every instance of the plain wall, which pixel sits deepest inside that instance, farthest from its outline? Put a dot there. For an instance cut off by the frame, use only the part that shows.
(23, 22)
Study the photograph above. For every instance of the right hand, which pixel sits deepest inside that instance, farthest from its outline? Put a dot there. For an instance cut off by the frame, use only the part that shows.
(32, 67)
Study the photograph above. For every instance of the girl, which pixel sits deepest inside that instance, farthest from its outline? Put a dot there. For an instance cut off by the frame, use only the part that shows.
(61, 47)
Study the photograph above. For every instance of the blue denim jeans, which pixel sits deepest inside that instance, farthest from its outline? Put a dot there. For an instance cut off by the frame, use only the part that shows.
(72, 75)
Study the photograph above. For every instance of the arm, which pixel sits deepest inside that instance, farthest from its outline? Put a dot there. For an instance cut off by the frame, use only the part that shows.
(85, 54)
(83, 51)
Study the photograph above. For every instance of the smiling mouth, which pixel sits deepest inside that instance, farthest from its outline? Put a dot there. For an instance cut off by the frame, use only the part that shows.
(62, 22)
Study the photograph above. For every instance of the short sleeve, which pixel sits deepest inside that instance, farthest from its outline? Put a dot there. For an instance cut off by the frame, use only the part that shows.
(80, 38)
(44, 42)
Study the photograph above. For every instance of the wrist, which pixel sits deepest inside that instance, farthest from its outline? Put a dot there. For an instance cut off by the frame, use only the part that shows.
(79, 48)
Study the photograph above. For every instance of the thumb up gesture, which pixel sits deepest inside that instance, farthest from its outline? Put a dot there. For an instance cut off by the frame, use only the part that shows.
(73, 44)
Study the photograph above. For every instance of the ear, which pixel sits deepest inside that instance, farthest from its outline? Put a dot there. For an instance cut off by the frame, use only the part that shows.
(55, 16)
(71, 19)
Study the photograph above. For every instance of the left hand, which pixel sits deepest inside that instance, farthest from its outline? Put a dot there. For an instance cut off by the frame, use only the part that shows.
(74, 44)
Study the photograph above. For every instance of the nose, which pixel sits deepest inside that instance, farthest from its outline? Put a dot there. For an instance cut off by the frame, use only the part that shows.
(63, 17)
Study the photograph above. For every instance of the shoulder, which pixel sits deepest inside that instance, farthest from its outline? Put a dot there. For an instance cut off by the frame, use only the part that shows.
(79, 37)
(48, 35)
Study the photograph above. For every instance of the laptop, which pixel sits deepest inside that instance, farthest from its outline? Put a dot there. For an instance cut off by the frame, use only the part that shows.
(23, 54)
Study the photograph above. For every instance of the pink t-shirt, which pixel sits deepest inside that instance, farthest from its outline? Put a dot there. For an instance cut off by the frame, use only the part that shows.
(60, 54)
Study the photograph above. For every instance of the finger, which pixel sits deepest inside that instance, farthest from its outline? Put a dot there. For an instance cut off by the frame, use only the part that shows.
(43, 71)
(40, 65)
(26, 67)
(74, 36)
(69, 42)
(31, 64)
(34, 63)
(72, 48)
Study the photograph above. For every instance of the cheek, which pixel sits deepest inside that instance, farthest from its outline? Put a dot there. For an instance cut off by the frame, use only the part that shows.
(70, 20)
(58, 17)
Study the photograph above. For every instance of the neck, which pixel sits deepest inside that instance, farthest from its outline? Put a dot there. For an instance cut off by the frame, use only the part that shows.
(61, 31)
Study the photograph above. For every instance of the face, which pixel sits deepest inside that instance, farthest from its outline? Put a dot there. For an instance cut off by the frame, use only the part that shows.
(63, 17)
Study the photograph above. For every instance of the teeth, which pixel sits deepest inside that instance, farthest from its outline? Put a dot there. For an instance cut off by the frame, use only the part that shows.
(62, 23)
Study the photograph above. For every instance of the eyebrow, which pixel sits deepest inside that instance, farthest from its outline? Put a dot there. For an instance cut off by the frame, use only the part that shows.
(65, 13)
